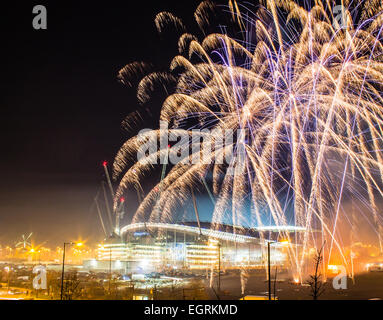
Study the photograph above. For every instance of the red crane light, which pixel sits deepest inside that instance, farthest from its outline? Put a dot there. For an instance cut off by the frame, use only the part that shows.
(105, 163)
(122, 199)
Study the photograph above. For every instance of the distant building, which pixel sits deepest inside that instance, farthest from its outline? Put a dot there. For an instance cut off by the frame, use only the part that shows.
(147, 247)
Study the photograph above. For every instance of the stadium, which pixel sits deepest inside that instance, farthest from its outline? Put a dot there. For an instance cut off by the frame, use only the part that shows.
(149, 247)
(188, 243)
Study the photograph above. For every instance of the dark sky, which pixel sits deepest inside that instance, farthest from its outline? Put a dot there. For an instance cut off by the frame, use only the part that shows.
(62, 108)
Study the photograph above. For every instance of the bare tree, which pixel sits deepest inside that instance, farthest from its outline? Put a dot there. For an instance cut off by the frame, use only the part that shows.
(113, 292)
(95, 290)
(71, 288)
(53, 284)
(316, 283)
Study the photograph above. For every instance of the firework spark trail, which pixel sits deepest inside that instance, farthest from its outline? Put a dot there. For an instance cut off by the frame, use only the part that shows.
(307, 91)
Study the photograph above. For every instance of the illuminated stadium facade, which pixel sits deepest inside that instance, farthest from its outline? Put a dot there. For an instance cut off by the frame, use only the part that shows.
(147, 247)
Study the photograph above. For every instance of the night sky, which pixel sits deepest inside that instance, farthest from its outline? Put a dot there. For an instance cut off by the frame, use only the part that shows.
(62, 108)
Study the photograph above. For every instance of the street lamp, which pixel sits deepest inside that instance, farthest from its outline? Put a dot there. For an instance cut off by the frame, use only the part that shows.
(219, 266)
(268, 268)
(8, 270)
(32, 252)
(78, 244)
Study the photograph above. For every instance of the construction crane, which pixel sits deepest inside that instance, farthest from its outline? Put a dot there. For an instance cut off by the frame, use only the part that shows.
(99, 213)
(119, 209)
(118, 212)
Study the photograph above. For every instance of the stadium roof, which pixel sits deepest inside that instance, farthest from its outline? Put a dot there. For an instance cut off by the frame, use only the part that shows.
(225, 233)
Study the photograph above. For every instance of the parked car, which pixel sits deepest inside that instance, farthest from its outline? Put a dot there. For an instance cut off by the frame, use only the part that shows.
(375, 267)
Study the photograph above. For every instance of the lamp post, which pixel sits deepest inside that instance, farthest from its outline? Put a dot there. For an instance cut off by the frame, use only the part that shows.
(79, 244)
(8, 269)
(219, 267)
(32, 252)
(110, 269)
(268, 268)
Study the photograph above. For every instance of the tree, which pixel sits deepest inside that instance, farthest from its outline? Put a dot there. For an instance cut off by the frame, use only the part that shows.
(113, 290)
(71, 287)
(95, 290)
(53, 284)
(316, 283)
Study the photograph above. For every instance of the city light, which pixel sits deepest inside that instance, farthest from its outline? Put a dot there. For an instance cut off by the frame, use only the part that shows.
(333, 268)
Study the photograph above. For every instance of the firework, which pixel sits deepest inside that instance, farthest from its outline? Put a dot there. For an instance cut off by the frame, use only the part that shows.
(305, 85)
